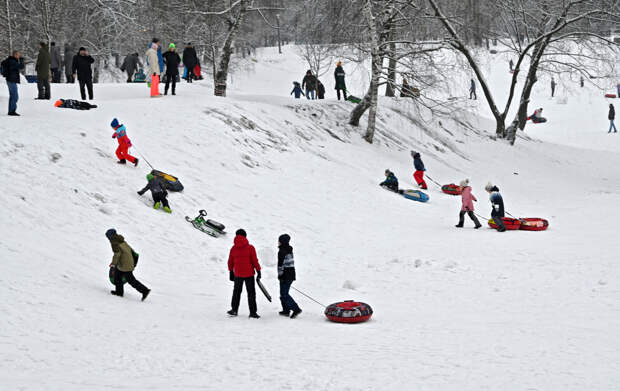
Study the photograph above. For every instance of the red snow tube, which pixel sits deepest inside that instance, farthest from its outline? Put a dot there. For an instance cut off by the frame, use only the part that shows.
(610, 95)
(533, 224)
(451, 189)
(511, 224)
(348, 311)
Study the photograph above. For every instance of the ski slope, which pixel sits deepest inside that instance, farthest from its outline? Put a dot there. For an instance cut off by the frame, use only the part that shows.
(455, 309)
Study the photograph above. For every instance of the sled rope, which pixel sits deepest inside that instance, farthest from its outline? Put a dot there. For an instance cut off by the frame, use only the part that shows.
(432, 180)
(142, 156)
(322, 305)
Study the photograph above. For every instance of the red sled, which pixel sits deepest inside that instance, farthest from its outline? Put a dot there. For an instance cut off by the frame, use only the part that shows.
(533, 224)
(196, 72)
(610, 95)
(348, 311)
(510, 224)
(451, 189)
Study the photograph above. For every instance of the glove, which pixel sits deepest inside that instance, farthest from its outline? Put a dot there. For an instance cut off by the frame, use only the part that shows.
(258, 275)
(231, 276)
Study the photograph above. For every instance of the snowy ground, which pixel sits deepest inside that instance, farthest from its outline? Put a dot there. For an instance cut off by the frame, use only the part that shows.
(454, 309)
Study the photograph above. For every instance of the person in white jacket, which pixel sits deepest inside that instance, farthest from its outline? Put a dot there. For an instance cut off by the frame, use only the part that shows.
(153, 69)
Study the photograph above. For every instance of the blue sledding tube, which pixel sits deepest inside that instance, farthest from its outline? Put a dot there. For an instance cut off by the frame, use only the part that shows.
(416, 195)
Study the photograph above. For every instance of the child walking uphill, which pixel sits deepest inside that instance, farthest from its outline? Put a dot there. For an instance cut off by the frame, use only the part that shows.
(418, 175)
(286, 275)
(297, 90)
(122, 152)
(158, 192)
(468, 205)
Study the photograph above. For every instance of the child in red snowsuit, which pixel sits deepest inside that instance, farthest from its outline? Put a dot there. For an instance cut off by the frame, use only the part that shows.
(122, 152)
(418, 175)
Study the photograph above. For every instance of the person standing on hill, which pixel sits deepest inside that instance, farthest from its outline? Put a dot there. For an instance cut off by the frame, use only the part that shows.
(320, 89)
(10, 70)
(472, 90)
(418, 175)
(68, 62)
(130, 65)
(309, 82)
(153, 70)
(122, 152)
(82, 63)
(242, 262)
(190, 60)
(340, 84)
(612, 116)
(297, 90)
(497, 202)
(286, 276)
(43, 71)
(172, 60)
(158, 191)
(552, 86)
(56, 63)
(467, 200)
(124, 263)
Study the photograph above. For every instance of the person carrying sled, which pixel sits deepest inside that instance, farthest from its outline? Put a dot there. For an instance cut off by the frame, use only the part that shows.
(242, 262)
(537, 116)
(158, 191)
(390, 182)
(172, 60)
(467, 200)
(154, 70)
(612, 116)
(497, 202)
(286, 276)
(122, 152)
(297, 90)
(124, 264)
(340, 84)
(309, 82)
(418, 175)
(190, 60)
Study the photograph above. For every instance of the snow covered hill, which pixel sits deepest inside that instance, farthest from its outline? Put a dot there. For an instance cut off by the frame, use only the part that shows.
(454, 309)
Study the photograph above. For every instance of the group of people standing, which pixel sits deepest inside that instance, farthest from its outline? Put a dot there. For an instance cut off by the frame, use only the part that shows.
(168, 65)
(314, 88)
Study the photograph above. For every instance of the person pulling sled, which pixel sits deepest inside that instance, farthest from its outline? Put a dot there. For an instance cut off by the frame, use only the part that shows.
(497, 202)
(122, 152)
(418, 175)
(286, 275)
(467, 200)
(158, 192)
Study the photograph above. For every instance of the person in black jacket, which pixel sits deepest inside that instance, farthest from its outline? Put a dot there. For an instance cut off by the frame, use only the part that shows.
(497, 202)
(82, 67)
(10, 70)
(340, 83)
(172, 61)
(611, 117)
(309, 82)
(286, 275)
(130, 65)
(190, 60)
(158, 192)
(320, 89)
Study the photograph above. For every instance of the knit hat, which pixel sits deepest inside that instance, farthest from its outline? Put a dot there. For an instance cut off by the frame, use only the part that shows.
(58, 103)
(284, 239)
(489, 186)
(114, 123)
(110, 233)
(81, 48)
(172, 46)
(241, 232)
(464, 183)
(149, 176)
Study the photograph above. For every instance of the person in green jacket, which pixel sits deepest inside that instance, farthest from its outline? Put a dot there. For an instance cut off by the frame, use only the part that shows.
(43, 71)
(124, 264)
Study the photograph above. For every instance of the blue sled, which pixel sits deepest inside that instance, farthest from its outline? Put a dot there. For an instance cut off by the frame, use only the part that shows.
(416, 195)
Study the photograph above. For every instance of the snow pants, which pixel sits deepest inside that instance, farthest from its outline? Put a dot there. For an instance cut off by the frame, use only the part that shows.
(155, 85)
(160, 197)
(43, 86)
(170, 79)
(288, 304)
(419, 178)
(251, 288)
(471, 215)
(499, 222)
(344, 93)
(89, 86)
(131, 280)
(122, 152)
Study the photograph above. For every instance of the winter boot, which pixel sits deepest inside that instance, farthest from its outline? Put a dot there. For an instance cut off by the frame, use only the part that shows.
(167, 209)
(145, 294)
(122, 161)
(135, 164)
(295, 313)
(478, 226)
(501, 229)
(232, 313)
(459, 225)
(254, 316)
(13, 114)
(284, 313)
(156, 206)
(115, 294)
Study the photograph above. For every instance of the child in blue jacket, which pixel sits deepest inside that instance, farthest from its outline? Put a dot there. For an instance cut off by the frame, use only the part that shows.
(297, 90)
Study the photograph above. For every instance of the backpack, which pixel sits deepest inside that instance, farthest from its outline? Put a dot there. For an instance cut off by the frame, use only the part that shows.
(135, 256)
(4, 68)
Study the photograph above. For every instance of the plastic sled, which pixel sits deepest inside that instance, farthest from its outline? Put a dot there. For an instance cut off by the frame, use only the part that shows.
(533, 224)
(416, 195)
(509, 223)
(606, 95)
(451, 189)
(172, 182)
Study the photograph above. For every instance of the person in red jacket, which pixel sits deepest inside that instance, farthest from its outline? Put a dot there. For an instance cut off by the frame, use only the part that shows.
(242, 262)
(122, 152)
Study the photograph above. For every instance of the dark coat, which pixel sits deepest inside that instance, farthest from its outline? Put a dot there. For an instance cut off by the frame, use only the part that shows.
(286, 263)
(56, 58)
(309, 82)
(68, 61)
(81, 66)
(612, 113)
(156, 186)
(339, 76)
(190, 59)
(43, 63)
(391, 182)
(497, 202)
(321, 90)
(13, 66)
(172, 60)
(130, 63)
(417, 162)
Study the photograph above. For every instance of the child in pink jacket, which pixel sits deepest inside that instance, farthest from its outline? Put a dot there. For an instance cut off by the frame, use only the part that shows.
(468, 205)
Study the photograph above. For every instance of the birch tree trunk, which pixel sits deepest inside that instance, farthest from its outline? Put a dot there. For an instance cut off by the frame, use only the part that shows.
(233, 28)
(391, 72)
(8, 24)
